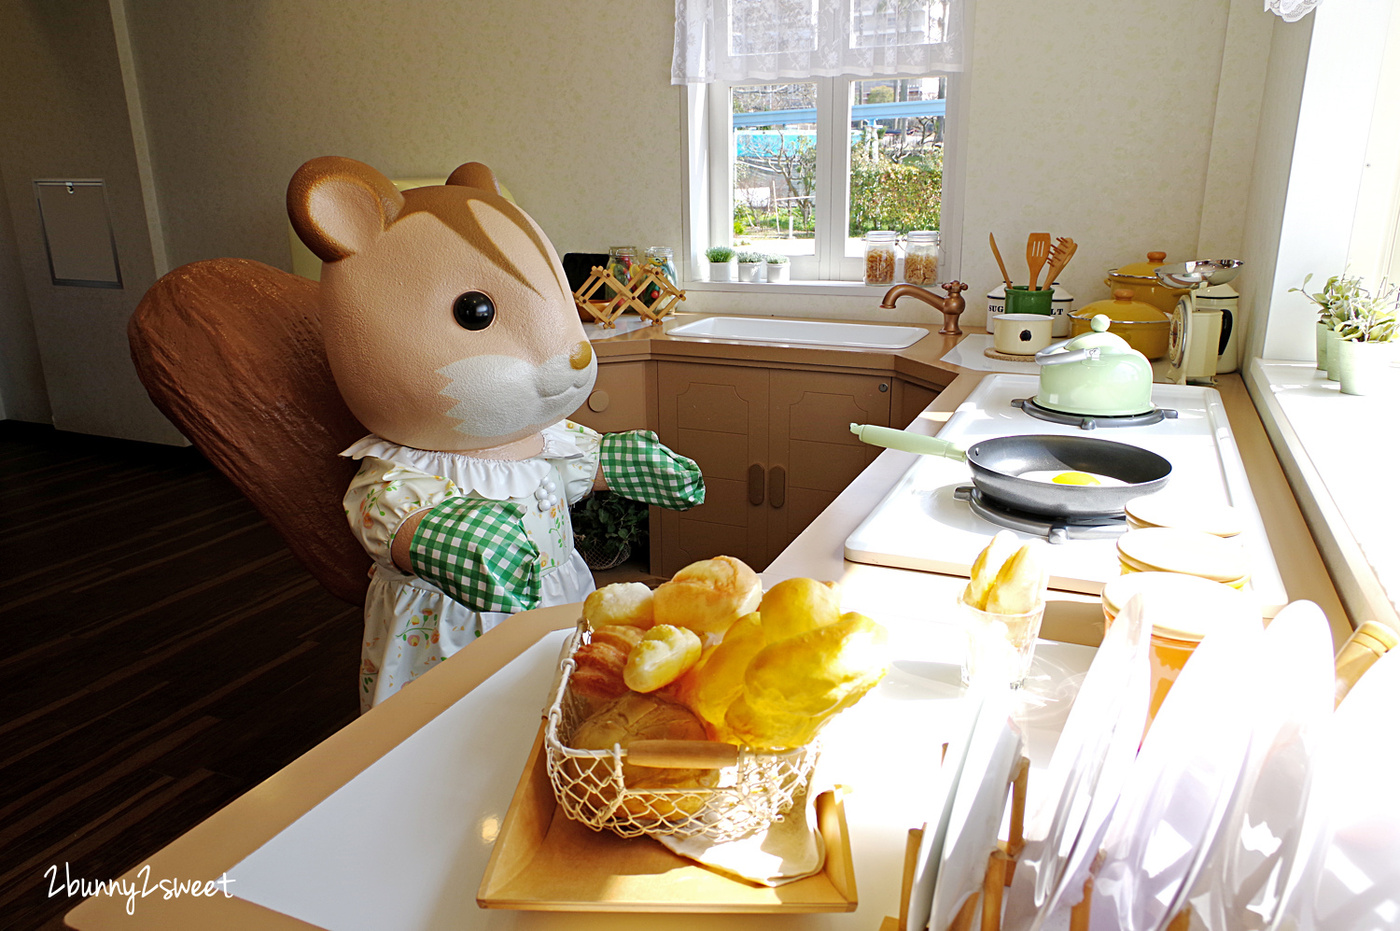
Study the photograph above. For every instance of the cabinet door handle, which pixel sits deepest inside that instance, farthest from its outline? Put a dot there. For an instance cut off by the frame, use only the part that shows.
(777, 486)
(755, 484)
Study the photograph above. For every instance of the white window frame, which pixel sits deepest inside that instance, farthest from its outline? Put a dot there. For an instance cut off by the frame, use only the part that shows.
(707, 210)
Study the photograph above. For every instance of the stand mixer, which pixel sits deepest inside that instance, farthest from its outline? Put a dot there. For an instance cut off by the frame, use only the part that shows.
(1194, 338)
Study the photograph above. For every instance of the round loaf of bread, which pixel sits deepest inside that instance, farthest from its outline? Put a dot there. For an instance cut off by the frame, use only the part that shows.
(619, 603)
(707, 597)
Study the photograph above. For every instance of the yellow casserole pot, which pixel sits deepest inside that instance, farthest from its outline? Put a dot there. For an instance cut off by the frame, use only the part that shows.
(1144, 327)
(1141, 278)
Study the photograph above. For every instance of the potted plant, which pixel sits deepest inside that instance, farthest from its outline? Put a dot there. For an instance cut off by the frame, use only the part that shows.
(778, 268)
(1330, 301)
(720, 257)
(750, 266)
(1365, 325)
(605, 527)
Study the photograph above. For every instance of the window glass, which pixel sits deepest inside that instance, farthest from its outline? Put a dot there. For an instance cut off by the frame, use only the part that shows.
(775, 166)
(896, 155)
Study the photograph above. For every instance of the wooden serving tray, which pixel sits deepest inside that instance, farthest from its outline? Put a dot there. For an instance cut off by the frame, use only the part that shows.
(543, 861)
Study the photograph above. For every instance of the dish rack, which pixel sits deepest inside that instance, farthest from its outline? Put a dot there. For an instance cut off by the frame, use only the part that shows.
(736, 792)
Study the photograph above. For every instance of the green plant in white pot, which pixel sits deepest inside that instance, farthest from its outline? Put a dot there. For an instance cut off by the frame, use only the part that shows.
(1331, 301)
(750, 266)
(778, 268)
(1366, 329)
(720, 258)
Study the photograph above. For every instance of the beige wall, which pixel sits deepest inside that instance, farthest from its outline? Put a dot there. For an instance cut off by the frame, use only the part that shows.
(64, 115)
(1104, 120)
(569, 102)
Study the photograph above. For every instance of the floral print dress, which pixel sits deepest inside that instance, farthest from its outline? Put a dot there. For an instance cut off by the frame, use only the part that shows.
(411, 625)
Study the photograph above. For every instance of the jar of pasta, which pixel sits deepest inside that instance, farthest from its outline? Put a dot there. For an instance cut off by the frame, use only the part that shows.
(879, 256)
(921, 257)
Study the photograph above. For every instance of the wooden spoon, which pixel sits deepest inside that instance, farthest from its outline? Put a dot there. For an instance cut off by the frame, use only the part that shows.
(1000, 264)
(1060, 254)
(1037, 251)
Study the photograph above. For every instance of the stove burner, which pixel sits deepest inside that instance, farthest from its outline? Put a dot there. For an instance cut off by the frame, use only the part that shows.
(1054, 529)
(1089, 422)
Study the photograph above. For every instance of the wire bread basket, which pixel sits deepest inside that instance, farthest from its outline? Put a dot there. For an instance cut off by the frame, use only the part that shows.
(716, 791)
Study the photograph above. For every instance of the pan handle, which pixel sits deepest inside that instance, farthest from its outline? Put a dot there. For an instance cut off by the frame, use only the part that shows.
(906, 441)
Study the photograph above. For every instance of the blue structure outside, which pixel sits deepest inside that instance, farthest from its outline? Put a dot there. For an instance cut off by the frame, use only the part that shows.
(864, 111)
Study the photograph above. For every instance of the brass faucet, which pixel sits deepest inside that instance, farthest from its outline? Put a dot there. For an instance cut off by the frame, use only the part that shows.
(950, 305)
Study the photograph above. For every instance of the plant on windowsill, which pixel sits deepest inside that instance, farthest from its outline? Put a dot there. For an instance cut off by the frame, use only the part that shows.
(750, 266)
(778, 269)
(720, 257)
(1330, 300)
(1366, 329)
(606, 526)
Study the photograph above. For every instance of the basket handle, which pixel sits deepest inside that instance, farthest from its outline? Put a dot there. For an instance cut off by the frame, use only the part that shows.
(682, 754)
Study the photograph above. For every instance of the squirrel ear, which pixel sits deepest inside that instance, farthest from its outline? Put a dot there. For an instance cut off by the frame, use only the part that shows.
(477, 175)
(339, 206)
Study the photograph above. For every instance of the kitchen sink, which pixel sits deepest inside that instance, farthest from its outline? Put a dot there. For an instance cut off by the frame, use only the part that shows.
(806, 332)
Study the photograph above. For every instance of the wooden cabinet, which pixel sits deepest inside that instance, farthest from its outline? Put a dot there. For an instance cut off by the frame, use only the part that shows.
(774, 445)
(622, 399)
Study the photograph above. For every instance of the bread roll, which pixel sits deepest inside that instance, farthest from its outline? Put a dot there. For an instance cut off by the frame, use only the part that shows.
(619, 603)
(707, 597)
(665, 653)
(642, 717)
(597, 674)
(793, 687)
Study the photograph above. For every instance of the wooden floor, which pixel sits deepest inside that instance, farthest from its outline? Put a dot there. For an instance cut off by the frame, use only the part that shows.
(165, 653)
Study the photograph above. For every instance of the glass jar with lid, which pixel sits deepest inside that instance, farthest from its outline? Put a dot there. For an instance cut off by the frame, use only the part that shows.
(661, 259)
(879, 256)
(921, 248)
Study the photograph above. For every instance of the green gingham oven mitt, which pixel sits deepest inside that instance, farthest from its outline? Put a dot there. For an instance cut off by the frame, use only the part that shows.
(637, 466)
(479, 554)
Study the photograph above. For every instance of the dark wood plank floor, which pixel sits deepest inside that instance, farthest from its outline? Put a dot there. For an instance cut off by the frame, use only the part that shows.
(163, 654)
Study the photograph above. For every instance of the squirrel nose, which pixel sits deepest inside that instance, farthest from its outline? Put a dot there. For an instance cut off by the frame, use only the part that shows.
(581, 355)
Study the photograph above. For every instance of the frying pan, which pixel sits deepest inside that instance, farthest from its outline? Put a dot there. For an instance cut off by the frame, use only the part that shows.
(998, 463)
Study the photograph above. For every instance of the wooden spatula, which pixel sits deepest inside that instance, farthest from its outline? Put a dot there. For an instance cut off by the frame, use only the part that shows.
(1037, 251)
(1000, 264)
(1060, 254)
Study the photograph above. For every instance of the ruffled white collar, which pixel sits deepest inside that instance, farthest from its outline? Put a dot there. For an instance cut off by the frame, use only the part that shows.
(491, 478)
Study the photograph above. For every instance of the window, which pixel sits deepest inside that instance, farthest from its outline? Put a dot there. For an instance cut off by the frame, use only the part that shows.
(815, 122)
(809, 167)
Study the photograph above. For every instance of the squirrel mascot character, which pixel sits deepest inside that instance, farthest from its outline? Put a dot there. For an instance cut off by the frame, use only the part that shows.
(453, 336)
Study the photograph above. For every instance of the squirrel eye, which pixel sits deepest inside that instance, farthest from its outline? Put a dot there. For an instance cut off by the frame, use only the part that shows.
(473, 311)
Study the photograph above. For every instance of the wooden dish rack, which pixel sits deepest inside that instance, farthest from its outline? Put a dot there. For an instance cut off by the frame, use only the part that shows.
(1001, 867)
(646, 278)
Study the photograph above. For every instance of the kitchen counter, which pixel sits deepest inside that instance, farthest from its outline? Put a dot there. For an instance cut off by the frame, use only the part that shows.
(884, 748)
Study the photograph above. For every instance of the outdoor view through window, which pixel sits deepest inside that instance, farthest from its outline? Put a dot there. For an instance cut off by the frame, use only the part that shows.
(888, 171)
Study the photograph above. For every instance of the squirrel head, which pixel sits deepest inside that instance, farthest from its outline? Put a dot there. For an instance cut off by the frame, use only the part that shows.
(448, 321)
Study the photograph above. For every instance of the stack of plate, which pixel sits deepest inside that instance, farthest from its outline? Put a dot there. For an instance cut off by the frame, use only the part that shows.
(1190, 552)
(1170, 510)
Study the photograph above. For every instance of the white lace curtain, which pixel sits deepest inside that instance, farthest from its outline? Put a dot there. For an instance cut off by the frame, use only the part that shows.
(739, 40)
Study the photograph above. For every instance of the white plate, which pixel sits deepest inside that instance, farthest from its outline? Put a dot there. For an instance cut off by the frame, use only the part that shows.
(936, 829)
(1101, 731)
(978, 806)
(1352, 880)
(1244, 875)
(1180, 785)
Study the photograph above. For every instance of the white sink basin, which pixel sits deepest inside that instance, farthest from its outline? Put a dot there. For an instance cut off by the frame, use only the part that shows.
(807, 332)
